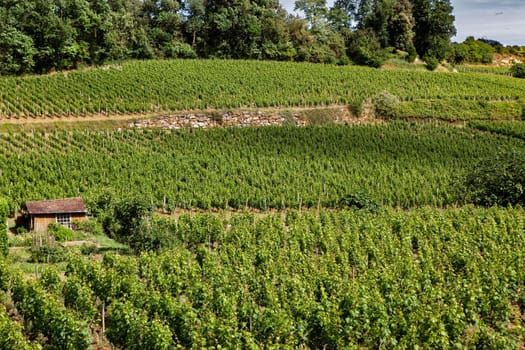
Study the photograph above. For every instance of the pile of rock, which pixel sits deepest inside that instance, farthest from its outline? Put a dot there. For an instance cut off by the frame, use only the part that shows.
(219, 119)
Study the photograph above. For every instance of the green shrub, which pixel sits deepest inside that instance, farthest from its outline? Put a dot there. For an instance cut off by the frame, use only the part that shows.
(90, 226)
(60, 232)
(518, 70)
(359, 200)
(499, 181)
(11, 333)
(412, 54)
(5, 275)
(88, 249)
(364, 49)
(356, 108)
(48, 254)
(522, 105)
(386, 104)
(431, 62)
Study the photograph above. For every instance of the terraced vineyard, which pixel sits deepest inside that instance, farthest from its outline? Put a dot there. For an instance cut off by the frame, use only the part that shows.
(152, 86)
(373, 245)
(276, 167)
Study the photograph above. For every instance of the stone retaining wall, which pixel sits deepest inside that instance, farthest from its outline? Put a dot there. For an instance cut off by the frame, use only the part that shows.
(219, 119)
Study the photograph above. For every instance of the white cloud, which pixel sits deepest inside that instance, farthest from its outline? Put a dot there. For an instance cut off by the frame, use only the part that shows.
(503, 21)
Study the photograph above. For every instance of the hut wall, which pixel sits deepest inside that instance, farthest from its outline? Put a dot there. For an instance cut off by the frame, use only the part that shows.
(78, 217)
(39, 223)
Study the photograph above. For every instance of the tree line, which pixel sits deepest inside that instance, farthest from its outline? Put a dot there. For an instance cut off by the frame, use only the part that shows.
(39, 36)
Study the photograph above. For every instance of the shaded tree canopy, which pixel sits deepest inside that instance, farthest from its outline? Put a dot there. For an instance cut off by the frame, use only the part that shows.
(38, 36)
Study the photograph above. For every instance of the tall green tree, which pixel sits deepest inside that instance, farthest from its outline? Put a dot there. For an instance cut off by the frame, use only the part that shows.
(241, 29)
(164, 22)
(434, 26)
(195, 21)
(16, 50)
(401, 26)
(129, 33)
(315, 12)
(53, 36)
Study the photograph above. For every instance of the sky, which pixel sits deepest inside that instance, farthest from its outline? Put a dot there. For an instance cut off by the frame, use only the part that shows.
(502, 20)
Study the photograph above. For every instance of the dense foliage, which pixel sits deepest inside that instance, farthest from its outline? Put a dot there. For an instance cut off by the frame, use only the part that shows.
(518, 70)
(166, 85)
(498, 181)
(273, 167)
(472, 51)
(11, 335)
(44, 35)
(333, 279)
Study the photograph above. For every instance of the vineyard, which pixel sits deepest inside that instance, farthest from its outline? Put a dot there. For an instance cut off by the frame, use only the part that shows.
(397, 164)
(511, 128)
(139, 87)
(333, 279)
(324, 236)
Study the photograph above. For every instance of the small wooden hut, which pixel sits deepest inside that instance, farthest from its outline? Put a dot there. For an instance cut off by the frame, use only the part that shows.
(61, 211)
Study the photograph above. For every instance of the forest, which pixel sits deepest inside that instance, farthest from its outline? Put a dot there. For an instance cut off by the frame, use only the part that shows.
(39, 36)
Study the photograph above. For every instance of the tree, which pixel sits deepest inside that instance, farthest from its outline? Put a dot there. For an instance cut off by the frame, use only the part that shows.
(472, 51)
(364, 48)
(16, 51)
(240, 29)
(53, 36)
(127, 218)
(434, 26)
(401, 26)
(164, 23)
(195, 22)
(315, 12)
(390, 20)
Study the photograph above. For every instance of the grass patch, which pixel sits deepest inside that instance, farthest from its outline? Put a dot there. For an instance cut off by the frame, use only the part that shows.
(106, 243)
(323, 116)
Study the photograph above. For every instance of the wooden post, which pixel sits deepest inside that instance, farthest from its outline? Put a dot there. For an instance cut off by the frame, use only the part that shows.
(103, 318)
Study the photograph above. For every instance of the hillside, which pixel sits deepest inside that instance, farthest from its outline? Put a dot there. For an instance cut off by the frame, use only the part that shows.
(167, 86)
(343, 214)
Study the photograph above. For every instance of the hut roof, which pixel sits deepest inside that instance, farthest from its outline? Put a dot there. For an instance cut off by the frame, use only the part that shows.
(57, 206)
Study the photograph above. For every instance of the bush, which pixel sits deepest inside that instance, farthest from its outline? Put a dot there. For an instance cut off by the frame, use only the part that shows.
(518, 70)
(178, 50)
(60, 232)
(364, 49)
(386, 105)
(412, 54)
(90, 226)
(359, 200)
(48, 254)
(431, 62)
(499, 181)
